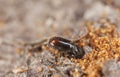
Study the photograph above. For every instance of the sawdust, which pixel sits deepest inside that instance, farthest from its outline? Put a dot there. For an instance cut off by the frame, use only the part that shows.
(105, 46)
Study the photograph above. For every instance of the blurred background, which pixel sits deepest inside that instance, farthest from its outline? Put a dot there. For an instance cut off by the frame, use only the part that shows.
(32, 19)
(29, 20)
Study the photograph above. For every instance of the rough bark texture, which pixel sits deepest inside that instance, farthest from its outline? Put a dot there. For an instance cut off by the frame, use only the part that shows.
(24, 21)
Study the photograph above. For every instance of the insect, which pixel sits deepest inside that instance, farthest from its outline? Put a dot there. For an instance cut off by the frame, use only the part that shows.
(67, 47)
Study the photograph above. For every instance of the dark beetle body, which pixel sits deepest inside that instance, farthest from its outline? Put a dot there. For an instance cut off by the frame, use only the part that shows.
(66, 46)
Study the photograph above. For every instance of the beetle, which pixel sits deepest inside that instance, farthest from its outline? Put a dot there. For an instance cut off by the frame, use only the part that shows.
(67, 47)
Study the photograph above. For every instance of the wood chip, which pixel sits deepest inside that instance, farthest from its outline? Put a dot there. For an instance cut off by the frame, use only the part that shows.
(19, 70)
